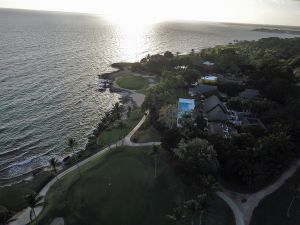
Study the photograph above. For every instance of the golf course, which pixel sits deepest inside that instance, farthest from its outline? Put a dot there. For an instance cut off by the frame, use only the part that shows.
(120, 187)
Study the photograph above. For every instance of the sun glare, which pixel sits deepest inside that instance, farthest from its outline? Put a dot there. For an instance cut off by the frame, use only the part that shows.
(132, 39)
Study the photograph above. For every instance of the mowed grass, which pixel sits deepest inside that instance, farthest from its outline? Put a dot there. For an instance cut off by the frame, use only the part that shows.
(132, 82)
(272, 210)
(113, 134)
(120, 188)
(13, 197)
(148, 134)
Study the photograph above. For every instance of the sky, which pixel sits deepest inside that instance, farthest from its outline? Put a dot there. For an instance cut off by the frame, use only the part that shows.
(280, 12)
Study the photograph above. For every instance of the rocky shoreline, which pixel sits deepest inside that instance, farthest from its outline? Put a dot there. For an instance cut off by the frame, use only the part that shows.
(92, 138)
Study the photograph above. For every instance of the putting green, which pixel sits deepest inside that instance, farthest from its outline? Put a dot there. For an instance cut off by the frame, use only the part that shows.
(132, 82)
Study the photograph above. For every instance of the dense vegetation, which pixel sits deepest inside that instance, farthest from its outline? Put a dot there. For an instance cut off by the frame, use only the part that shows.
(281, 207)
(254, 157)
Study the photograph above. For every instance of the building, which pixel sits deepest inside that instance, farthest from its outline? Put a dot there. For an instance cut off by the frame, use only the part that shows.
(249, 93)
(185, 107)
(215, 110)
(202, 89)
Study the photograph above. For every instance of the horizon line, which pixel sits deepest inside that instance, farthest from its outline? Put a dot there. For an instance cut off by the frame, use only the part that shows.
(168, 20)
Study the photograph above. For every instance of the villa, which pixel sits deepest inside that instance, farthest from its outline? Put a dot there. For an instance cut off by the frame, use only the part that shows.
(215, 110)
(185, 106)
(201, 89)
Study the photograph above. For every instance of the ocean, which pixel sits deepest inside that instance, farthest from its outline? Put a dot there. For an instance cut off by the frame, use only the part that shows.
(49, 67)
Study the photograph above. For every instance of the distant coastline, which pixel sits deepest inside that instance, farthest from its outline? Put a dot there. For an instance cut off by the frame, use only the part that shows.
(278, 31)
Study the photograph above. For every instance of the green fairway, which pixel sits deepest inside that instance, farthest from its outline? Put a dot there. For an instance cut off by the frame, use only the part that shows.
(132, 82)
(119, 188)
(272, 210)
(149, 134)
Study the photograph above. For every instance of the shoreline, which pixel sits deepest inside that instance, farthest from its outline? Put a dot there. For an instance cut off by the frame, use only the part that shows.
(91, 137)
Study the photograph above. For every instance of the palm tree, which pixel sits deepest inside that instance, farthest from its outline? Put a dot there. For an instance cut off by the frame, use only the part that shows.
(191, 206)
(34, 201)
(53, 163)
(71, 142)
(178, 215)
(296, 195)
(5, 216)
(202, 200)
(154, 152)
(209, 185)
(118, 110)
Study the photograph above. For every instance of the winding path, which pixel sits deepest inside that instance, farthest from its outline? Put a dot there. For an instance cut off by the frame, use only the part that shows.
(23, 217)
(234, 199)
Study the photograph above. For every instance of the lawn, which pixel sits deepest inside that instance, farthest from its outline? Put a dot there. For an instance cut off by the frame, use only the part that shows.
(120, 188)
(132, 82)
(272, 210)
(148, 134)
(112, 135)
(13, 197)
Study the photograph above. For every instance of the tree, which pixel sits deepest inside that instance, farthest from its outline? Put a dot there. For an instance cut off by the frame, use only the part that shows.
(296, 195)
(5, 216)
(191, 207)
(154, 152)
(198, 155)
(34, 201)
(118, 110)
(202, 200)
(167, 116)
(186, 212)
(168, 54)
(170, 139)
(190, 76)
(71, 142)
(192, 53)
(53, 163)
(280, 90)
(235, 103)
(178, 215)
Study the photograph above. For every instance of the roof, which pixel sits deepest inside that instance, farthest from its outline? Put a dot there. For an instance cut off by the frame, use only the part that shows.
(214, 109)
(211, 102)
(249, 93)
(217, 114)
(202, 88)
